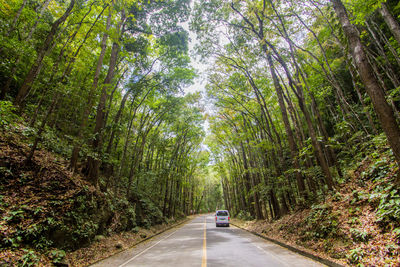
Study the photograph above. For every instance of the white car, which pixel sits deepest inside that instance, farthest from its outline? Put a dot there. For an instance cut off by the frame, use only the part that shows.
(222, 218)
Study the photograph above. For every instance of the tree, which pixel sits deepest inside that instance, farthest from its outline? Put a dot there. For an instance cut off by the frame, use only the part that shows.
(384, 111)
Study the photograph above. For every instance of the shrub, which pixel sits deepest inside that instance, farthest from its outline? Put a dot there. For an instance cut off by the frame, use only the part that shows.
(388, 210)
(54, 143)
(359, 236)
(7, 115)
(355, 256)
(321, 222)
(57, 255)
(245, 215)
(378, 170)
(29, 258)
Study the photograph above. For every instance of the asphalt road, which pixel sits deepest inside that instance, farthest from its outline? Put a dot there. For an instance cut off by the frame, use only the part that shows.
(201, 243)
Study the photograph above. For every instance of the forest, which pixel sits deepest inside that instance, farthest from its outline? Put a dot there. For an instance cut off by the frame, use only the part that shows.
(297, 127)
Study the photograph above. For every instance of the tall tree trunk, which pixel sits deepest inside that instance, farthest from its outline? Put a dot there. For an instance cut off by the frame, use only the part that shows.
(288, 130)
(86, 112)
(386, 42)
(298, 90)
(275, 205)
(360, 98)
(389, 70)
(390, 21)
(42, 126)
(116, 121)
(31, 76)
(384, 111)
(300, 73)
(42, 10)
(329, 150)
(6, 87)
(94, 163)
(15, 19)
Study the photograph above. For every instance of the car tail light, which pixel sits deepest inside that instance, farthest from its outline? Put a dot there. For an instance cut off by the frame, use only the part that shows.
(229, 218)
(216, 218)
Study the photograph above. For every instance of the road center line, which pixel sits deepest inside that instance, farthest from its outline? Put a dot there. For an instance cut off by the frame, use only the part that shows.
(204, 259)
(131, 259)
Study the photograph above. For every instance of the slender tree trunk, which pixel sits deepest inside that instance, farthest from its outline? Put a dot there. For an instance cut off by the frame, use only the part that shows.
(381, 80)
(386, 42)
(297, 89)
(85, 116)
(275, 205)
(94, 163)
(289, 133)
(360, 98)
(390, 21)
(31, 76)
(164, 210)
(384, 111)
(116, 121)
(42, 126)
(300, 73)
(16, 17)
(42, 10)
(330, 152)
(387, 64)
(127, 142)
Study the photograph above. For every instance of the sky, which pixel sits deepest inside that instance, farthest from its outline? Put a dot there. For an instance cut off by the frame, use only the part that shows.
(200, 80)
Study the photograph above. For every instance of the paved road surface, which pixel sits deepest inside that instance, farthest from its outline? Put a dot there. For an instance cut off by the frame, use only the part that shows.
(200, 243)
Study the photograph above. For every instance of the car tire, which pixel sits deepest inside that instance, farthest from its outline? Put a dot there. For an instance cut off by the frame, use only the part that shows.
(216, 225)
(227, 225)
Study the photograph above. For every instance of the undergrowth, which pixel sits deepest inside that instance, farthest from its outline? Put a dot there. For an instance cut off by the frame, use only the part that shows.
(359, 223)
(46, 211)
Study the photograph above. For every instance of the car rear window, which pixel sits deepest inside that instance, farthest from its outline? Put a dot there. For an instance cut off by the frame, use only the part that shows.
(222, 213)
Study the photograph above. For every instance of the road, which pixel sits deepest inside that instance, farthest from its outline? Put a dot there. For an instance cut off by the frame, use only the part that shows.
(200, 243)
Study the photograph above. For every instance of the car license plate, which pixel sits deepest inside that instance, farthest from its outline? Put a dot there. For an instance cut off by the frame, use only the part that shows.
(222, 219)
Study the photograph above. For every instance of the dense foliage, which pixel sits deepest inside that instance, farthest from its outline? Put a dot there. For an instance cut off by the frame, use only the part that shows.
(297, 96)
(104, 77)
(299, 91)
(99, 83)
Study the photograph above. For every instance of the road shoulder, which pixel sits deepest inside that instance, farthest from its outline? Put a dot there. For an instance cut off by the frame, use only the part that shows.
(291, 248)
